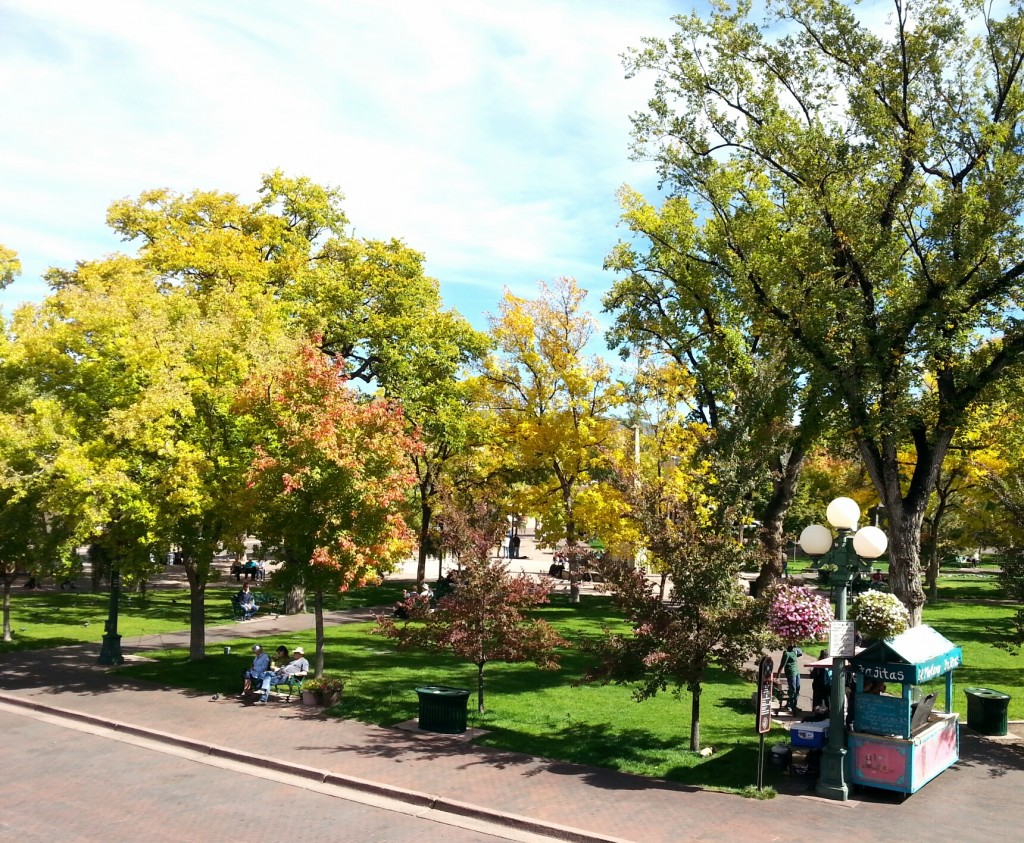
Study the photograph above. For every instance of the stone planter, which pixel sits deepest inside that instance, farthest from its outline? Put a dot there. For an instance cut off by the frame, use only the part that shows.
(316, 698)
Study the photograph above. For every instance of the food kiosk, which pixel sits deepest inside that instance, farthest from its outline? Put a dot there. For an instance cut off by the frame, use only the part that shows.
(899, 741)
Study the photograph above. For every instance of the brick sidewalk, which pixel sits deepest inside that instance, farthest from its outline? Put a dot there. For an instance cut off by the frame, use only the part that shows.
(977, 799)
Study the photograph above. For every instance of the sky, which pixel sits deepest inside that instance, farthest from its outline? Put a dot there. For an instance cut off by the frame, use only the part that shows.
(491, 135)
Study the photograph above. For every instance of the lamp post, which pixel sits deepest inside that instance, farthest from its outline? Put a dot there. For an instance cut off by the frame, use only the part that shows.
(110, 651)
(850, 553)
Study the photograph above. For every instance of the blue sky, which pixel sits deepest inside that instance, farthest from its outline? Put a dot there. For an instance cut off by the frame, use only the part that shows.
(490, 135)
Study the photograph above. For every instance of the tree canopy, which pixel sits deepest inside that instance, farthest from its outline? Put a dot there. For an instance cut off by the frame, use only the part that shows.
(862, 185)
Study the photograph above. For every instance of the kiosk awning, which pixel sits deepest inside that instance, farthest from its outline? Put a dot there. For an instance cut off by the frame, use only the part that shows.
(916, 656)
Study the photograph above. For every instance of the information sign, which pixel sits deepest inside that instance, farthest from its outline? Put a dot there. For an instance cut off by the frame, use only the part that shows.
(764, 695)
(841, 640)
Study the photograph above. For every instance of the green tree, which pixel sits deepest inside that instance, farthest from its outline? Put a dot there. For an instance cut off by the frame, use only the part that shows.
(10, 266)
(865, 185)
(549, 403)
(369, 301)
(148, 374)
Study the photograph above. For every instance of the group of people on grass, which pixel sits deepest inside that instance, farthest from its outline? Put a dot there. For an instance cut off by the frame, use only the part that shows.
(266, 673)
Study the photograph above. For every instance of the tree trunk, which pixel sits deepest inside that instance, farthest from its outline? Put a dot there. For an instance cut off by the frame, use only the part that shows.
(198, 564)
(905, 513)
(695, 719)
(197, 618)
(771, 534)
(426, 511)
(480, 687)
(295, 600)
(7, 579)
(318, 608)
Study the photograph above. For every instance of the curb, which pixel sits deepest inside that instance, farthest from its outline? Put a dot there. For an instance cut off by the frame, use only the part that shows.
(339, 780)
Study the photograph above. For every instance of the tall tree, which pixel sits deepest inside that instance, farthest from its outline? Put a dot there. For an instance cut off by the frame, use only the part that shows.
(332, 479)
(865, 184)
(370, 301)
(550, 402)
(149, 373)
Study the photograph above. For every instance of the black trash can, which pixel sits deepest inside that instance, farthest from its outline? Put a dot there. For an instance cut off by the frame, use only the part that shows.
(987, 710)
(443, 709)
(513, 547)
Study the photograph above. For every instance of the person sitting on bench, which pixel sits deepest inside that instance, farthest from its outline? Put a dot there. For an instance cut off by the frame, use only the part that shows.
(260, 666)
(247, 603)
(296, 667)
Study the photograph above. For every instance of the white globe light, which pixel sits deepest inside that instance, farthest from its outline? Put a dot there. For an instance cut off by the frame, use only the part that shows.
(815, 540)
(870, 542)
(843, 514)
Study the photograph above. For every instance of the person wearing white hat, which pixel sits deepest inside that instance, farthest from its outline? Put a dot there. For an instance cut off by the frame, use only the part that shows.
(298, 666)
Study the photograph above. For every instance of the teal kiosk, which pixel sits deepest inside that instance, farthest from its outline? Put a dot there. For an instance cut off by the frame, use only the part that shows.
(899, 740)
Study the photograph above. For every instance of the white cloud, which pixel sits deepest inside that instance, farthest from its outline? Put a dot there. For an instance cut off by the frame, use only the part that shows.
(489, 135)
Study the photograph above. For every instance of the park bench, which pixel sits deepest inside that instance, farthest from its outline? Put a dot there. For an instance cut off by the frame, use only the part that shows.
(264, 599)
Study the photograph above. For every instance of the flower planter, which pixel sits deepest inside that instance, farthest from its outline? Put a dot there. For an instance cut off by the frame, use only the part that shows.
(309, 698)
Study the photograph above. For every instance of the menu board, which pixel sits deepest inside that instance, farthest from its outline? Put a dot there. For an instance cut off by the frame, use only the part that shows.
(882, 715)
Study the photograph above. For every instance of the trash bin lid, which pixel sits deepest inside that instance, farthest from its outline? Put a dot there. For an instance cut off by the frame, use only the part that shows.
(442, 690)
(987, 693)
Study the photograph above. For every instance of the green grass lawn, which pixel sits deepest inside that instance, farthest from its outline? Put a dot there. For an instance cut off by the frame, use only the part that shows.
(537, 712)
(44, 619)
(543, 713)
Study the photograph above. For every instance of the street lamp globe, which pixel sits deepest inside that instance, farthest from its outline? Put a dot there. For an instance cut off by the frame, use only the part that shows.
(815, 540)
(843, 514)
(870, 543)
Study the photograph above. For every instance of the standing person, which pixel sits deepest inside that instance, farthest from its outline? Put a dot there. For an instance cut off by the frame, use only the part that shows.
(790, 667)
(260, 666)
(821, 685)
(503, 553)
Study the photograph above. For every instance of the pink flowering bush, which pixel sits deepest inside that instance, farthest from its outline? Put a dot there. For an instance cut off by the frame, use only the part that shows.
(798, 613)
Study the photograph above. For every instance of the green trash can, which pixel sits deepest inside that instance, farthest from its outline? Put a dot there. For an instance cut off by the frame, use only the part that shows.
(986, 710)
(443, 709)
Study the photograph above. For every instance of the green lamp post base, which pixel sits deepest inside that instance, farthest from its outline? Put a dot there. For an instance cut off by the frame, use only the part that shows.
(832, 781)
(110, 652)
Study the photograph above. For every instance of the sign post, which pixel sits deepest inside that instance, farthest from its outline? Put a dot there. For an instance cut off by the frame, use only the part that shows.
(765, 681)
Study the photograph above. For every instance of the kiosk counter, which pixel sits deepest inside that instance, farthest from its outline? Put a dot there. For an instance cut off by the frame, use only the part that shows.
(900, 742)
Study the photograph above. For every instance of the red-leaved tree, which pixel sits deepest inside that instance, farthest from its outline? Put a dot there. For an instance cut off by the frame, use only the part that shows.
(331, 479)
(482, 619)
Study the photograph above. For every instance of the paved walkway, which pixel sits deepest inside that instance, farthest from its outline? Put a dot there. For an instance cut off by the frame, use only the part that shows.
(978, 799)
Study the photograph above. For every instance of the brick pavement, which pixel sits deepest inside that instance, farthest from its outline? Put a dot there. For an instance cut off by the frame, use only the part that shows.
(977, 799)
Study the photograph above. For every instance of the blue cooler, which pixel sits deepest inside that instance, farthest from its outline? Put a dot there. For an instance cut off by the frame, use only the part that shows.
(810, 735)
